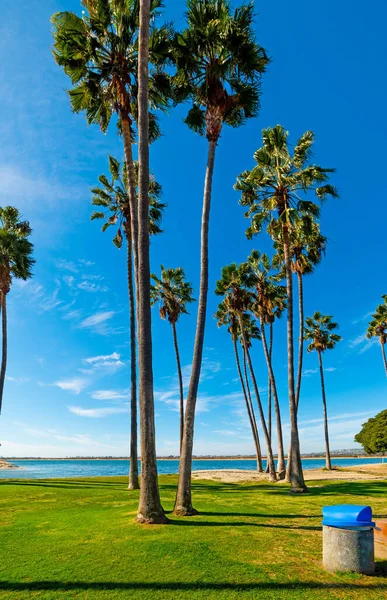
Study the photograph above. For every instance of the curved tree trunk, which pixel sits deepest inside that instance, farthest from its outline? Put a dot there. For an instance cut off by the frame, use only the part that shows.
(253, 420)
(300, 357)
(296, 473)
(133, 469)
(133, 204)
(384, 356)
(269, 389)
(270, 460)
(180, 375)
(5, 345)
(281, 457)
(183, 503)
(301, 338)
(328, 463)
(150, 509)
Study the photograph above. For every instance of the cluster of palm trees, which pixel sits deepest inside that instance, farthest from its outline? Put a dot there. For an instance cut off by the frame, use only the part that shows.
(123, 63)
(377, 328)
(16, 262)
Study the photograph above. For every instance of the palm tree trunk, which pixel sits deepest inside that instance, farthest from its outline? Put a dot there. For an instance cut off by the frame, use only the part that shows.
(180, 375)
(150, 509)
(328, 463)
(301, 334)
(253, 420)
(384, 356)
(133, 469)
(270, 460)
(296, 474)
(183, 504)
(125, 125)
(269, 389)
(5, 345)
(281, 458)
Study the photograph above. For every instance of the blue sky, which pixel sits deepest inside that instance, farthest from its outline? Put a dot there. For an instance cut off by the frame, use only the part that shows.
(68, 374)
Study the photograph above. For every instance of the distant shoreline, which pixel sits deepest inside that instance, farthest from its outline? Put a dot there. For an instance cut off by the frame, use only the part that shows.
(161, 458)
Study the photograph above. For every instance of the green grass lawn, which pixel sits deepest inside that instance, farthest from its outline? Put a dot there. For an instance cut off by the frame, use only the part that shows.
(78, 539)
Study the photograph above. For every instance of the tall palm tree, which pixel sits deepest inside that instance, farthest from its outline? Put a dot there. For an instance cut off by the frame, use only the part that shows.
(238, 299)
(99, 52)
(226, 317)
(113, 198)
(307, 247)
(219, 67)
(15, 262)
(378, 328)
(318, 330)
(270, 302)
(274, 192)
(173, 293)
(149, 509)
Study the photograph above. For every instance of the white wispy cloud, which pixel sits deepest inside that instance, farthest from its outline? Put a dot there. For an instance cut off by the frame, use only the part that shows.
(110, 394)
(17, 380)
(76, 385)
(309, 372)
(102, 357)
(67, 265)
(363, 318)
(97, 322)
(96, 413)
(86, 286)
(364, 343)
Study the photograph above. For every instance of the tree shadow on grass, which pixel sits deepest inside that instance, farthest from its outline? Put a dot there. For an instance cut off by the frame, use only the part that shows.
(192, 522)
(74, 586)
(66, 484)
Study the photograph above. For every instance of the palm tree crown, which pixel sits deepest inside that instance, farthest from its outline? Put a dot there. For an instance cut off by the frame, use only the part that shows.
(219, 66)
(270, 298)
(273, 188)
(15, 249)
(378, 326)
(99, 52)
(173, 293)
(113, 196)
(318, 329)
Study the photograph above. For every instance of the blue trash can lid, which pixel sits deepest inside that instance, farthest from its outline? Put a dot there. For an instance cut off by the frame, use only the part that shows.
(347, 515)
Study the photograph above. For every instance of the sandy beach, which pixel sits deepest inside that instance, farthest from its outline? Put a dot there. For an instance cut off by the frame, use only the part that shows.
(6, 465)
(355, 473)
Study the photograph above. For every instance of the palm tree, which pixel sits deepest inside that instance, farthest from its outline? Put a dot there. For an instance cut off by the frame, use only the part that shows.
(272, 190)
(269, 304)
(99, 52)
(378, 328)
(15, 262)
(307, 247)
(113, 197)
(149, 509)
(226, 317)
(238, 299)
(318, 330)
(219, 67)
(173, 293)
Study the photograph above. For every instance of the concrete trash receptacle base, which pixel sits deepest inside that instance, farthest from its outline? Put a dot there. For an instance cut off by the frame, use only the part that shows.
(349, 550)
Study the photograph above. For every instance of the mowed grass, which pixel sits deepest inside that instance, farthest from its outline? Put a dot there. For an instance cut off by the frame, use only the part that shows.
(77, 539)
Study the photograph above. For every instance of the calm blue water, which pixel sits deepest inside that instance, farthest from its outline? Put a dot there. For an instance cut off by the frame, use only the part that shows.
(45, 469)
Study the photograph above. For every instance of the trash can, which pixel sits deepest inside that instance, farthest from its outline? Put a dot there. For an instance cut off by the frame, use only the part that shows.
(348, 539)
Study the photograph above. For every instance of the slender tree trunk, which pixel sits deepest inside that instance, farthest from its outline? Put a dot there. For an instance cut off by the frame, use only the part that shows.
(300, 357)
(301, 338)
(150, 509)
(133, 204)
(183, 504)
(328, 463)
(133, 469)
(269, 390)
(281, 458)
(5, 345)
(384, 356)
(296, 474)
(180, 375)
(253, 420)
(270, 460)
